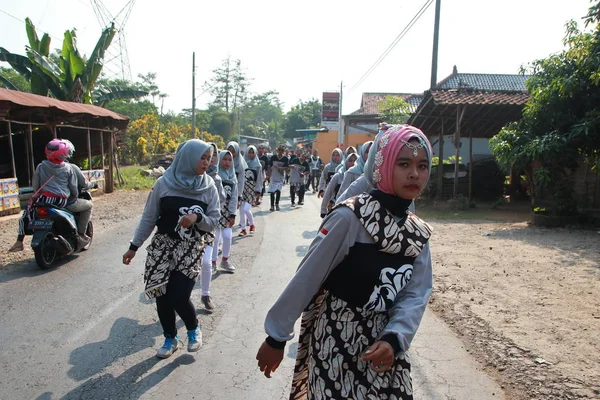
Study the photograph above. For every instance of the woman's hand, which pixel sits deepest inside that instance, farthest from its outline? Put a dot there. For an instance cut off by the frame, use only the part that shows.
(128, 256)
(321, 194)
(231, 221)
(381, 355)
(268, 358)
(188, 220)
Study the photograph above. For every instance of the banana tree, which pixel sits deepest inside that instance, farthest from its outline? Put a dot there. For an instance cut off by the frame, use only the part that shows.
(69, 76)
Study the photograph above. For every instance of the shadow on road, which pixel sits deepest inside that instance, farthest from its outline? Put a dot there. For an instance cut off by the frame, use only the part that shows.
(29, 269)
(301, 251)
(128, 384)
(126, 337)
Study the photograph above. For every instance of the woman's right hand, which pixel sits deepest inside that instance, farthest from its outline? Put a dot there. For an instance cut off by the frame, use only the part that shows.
(321, 194)
(128, 256)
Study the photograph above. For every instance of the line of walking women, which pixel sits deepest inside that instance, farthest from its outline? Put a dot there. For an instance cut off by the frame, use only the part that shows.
(194, 206)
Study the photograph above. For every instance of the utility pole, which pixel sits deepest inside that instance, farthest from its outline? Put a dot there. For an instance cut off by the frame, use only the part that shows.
(436, 38)
(340, 128)
(193, 135)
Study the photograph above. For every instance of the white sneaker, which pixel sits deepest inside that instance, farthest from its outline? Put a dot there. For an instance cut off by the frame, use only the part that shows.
(194, 340)
(226, 266)
(169, 347)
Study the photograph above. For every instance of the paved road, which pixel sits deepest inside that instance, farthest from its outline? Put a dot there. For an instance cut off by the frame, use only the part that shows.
(85, 331)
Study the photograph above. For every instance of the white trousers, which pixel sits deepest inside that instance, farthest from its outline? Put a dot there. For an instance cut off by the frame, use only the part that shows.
(226, 234)
(246, 213)
(206, 274)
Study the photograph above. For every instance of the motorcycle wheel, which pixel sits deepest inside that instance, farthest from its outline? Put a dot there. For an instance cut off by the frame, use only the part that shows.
(90, 232)
(45, 253)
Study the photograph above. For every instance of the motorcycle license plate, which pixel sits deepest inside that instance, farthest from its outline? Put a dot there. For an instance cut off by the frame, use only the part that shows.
(40, 224)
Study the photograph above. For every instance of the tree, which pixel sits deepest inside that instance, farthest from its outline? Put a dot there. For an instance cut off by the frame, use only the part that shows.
(229, 85)
(561, 121)
(394, 109)
(220, 124)
(69, 77)
(305, 114)
(11, 79)
(262, 116)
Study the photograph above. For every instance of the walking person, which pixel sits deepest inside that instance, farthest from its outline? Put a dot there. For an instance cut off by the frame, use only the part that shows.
(183, 205)
(228, 211)
(357, 170)
(298, 166)
(252, 188)
(316, 165)
(264, 163)
(362, 288)
(209, 237)
(329, 170)
(239, 165)
(278, 164)
(333, 188)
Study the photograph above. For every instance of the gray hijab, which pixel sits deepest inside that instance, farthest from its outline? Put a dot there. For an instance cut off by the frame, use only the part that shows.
(239, 164)
(181, 175)
(359, 165)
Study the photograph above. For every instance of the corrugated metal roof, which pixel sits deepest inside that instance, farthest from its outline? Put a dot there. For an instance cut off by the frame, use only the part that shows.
(369, 104)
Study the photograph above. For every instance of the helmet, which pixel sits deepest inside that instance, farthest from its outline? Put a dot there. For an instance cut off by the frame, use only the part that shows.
(59, 150)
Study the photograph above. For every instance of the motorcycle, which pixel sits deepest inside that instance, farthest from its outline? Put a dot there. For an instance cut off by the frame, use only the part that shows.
(55, 233)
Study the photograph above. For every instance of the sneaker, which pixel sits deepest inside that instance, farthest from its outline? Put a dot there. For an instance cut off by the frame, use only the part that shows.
(208, 304)
(194, 339)
(252, 228)
(226, 266)
(243, 233)
(83, 240)
(293, 205)
(300, 203)
(272, 208)
(169, 347)
(277, 207)
(214, 267)
(18, 246)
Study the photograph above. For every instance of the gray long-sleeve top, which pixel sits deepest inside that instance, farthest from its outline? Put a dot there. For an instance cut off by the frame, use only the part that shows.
(151, 212)
(324, 254)
(349, 177)
(330, 194)
(57, 179)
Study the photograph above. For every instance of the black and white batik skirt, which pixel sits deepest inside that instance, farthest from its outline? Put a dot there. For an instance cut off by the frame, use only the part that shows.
(333, 336)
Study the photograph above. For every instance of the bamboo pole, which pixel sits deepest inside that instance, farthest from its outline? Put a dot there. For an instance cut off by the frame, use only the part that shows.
(28, 156)
(470, 164)
(89, 149)
(102, 147)
(12, 150)
(440, 182)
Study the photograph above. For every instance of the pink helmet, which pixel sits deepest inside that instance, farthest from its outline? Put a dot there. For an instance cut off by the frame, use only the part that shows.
(59, 150)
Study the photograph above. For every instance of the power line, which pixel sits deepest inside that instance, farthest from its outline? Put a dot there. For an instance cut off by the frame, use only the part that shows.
(393, 44)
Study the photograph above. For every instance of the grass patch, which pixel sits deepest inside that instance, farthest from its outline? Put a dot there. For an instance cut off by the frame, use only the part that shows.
(134, 180)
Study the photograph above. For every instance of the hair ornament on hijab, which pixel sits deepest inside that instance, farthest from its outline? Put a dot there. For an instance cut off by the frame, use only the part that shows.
(414, 147)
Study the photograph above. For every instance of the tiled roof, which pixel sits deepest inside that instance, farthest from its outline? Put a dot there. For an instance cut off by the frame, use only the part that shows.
(369, 104)
(414, 101)
(501, 82)
(478, 97)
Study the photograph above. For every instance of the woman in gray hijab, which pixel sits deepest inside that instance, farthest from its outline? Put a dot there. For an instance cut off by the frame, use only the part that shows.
(184, 206)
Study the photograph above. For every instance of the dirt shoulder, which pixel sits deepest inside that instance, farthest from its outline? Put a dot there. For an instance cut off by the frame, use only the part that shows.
(525, 301)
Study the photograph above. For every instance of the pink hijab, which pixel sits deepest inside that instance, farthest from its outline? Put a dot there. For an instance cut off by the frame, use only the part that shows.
(390, 144)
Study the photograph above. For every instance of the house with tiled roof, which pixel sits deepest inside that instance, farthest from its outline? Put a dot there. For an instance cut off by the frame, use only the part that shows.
(464, 110)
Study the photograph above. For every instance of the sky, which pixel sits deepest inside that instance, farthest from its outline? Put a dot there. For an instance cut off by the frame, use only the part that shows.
(302, 49)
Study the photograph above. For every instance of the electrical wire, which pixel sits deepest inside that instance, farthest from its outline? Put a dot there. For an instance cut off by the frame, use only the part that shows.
(393, 44)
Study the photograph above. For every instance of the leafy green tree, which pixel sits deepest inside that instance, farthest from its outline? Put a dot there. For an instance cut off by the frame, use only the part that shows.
(11, 79)
(305, 114)
(220, 124)
(561, 121)
(394, 110)
(229, 85)
(262, 116)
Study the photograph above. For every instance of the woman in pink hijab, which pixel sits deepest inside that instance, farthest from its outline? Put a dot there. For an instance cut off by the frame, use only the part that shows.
(363, 286)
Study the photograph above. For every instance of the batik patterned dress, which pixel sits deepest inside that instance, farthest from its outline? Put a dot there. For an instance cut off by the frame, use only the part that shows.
(350, 311)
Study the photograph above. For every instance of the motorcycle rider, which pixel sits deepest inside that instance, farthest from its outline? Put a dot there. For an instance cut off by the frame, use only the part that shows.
(53, 183)
(82, 206)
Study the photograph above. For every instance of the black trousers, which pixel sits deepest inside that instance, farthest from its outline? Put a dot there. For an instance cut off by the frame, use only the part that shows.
(314, 179)
(275, 196)
(299, 190)
(177, 300)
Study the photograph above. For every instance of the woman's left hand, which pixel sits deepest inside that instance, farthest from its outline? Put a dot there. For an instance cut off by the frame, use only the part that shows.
(381, 355)
(188, 220)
